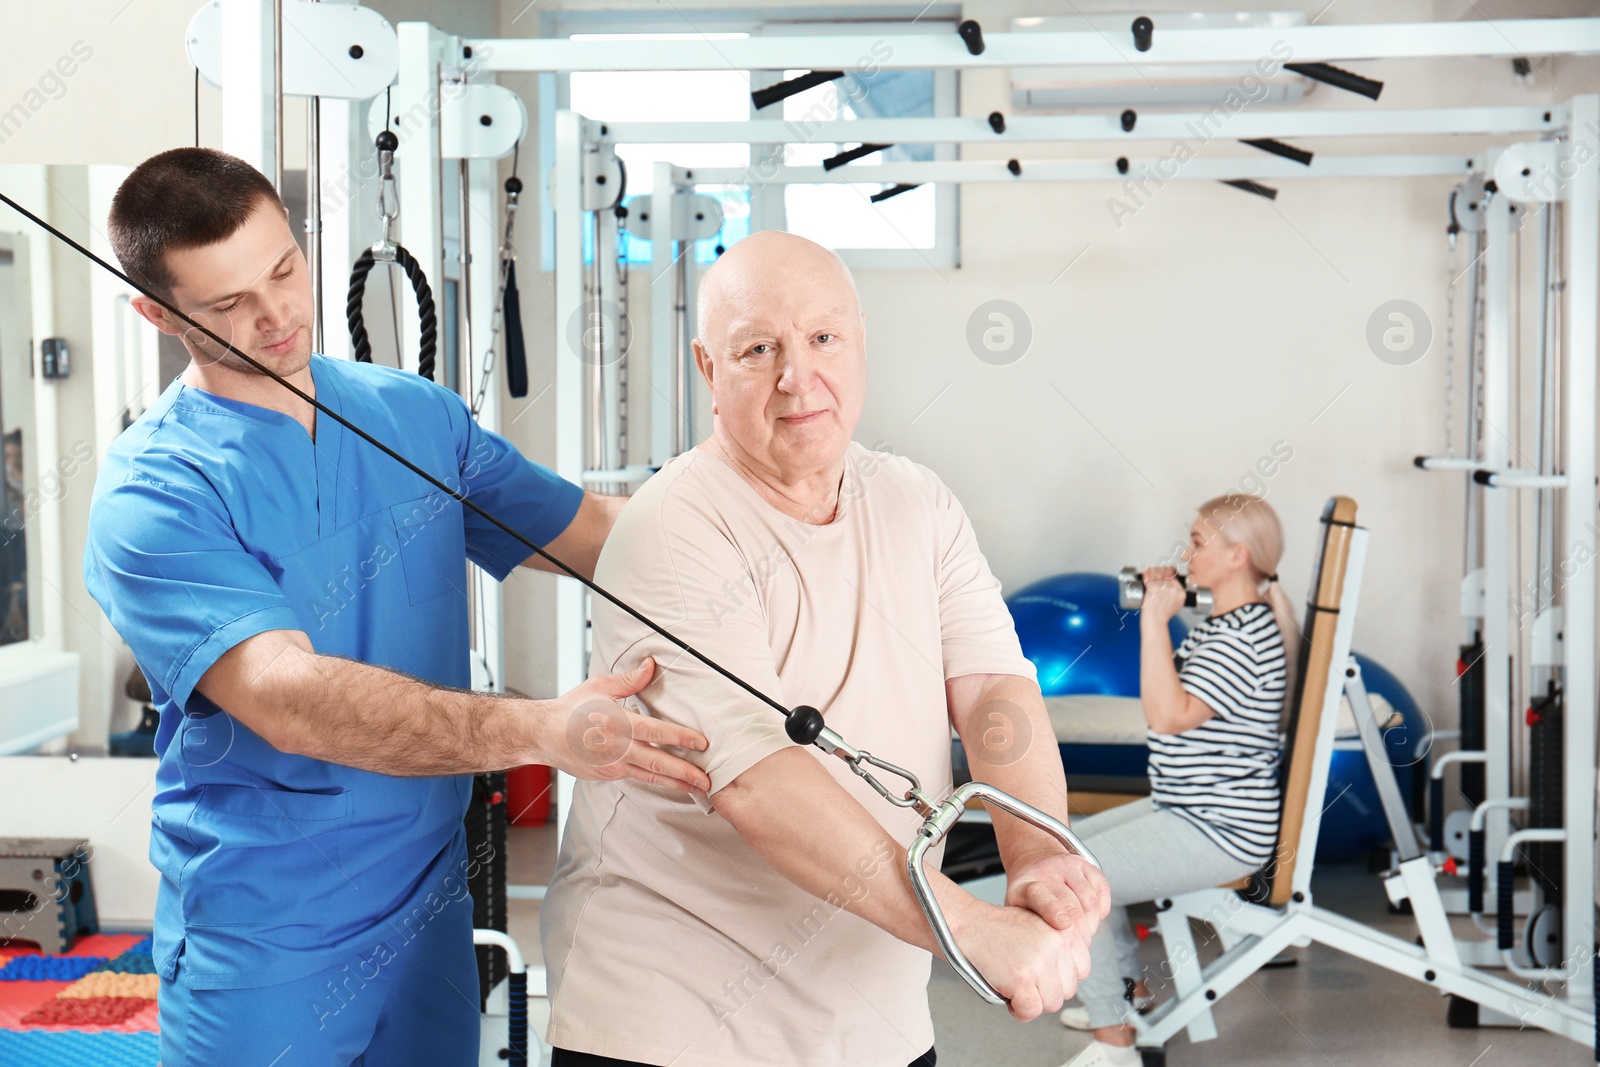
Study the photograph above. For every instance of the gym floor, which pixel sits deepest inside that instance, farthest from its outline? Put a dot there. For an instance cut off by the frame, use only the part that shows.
(1330, 1010)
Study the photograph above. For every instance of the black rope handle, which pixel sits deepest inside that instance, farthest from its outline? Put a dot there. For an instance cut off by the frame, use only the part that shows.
(419, 286)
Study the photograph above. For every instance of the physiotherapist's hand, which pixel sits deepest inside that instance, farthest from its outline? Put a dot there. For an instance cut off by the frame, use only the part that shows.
(1066, 891)
(590, 735)
(1164, 594)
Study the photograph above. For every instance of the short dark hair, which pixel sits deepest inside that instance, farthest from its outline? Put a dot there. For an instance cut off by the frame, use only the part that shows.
(182, 198)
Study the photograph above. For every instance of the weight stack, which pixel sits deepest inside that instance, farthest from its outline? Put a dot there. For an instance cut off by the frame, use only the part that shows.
(1545, 778)
(486, 855)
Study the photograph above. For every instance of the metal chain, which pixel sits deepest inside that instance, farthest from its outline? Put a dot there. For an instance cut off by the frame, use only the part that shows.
(1476, 386)
(508, 255)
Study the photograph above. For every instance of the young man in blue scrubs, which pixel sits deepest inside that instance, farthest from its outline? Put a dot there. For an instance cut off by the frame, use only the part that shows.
(297, 601)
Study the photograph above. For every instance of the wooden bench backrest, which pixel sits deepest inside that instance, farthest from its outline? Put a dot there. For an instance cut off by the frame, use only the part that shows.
(1306, 708)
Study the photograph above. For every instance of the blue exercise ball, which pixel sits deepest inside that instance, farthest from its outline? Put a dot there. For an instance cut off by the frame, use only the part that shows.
(1075, 632)
(1353, 823)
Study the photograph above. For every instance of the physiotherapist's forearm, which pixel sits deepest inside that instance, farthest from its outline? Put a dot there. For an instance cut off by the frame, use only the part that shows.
(1010, 744)
(792, 812)
(368, 717)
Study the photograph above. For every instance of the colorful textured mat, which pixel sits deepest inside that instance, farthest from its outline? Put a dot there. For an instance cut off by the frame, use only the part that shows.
(95, 1005)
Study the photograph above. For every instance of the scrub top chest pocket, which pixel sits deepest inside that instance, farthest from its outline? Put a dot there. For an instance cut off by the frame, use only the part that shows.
(432, 546)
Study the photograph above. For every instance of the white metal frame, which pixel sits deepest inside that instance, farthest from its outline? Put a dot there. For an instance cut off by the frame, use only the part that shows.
(768, 207)
(1306, 44)
(1440, 957)
(574, 139)
(1518, 171)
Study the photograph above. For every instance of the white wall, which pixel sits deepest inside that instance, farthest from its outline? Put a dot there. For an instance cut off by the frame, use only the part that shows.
(107, 802)
(1209, 326)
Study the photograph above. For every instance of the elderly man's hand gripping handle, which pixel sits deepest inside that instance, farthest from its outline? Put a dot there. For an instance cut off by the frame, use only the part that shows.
(803, 823)
(1068, 892)
(1010, 745)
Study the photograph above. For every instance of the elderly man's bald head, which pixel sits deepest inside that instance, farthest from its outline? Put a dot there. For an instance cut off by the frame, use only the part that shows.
(766, 258)
(782, 347)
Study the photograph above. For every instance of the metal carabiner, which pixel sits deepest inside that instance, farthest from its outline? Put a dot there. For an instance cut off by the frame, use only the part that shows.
(388, 196)
(805, 726)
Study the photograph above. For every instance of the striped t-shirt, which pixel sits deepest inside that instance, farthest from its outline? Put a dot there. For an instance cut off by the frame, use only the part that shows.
(1223, 774)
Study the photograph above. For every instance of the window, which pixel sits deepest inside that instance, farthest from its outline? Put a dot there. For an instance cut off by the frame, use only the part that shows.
(915, 228)
(844, 216)
(672, 96)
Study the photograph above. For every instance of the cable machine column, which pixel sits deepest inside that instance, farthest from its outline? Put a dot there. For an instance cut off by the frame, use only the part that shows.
(566, 196)
(1583, 279)
(1497, 630)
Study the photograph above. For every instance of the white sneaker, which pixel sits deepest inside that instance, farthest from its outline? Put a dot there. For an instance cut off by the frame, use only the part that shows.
(1100, 1054)
(1076, 1016)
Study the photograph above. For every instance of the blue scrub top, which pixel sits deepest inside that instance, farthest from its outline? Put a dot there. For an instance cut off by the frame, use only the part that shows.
(214, 520)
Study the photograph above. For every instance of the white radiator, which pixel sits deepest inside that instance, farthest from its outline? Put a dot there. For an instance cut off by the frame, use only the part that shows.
(38, 701)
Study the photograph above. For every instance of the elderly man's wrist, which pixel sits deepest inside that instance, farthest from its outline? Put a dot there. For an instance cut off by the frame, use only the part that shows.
(1041, 850)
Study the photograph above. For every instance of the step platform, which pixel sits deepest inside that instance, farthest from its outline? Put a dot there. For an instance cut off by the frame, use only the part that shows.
(46, 895)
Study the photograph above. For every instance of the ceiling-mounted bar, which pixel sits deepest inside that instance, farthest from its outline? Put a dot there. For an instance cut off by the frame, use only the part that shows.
(1244, 45)
(1246, 124)
(1154, 171)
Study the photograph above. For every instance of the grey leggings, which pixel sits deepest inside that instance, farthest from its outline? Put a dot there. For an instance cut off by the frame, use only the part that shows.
(1147, 853)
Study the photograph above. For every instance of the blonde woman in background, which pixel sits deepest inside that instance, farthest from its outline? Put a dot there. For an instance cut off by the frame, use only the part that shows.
(1213, 714)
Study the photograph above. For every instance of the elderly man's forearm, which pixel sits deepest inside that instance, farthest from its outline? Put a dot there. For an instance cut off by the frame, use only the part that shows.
(808, 829)
(1010, 744)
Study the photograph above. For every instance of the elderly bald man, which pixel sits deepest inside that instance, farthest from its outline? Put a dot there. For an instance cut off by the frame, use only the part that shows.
(770, 921)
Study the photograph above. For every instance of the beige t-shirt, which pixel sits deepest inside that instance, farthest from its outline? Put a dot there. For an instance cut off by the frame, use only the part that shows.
(667, 939)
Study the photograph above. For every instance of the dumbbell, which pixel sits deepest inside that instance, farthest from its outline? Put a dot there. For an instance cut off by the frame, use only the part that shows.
(1130, 592)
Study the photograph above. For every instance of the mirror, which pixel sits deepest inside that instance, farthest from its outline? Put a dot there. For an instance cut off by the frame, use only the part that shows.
(19, 549)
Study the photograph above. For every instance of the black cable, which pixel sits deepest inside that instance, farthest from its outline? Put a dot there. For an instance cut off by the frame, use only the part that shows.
(454, 494)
